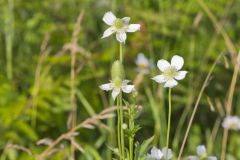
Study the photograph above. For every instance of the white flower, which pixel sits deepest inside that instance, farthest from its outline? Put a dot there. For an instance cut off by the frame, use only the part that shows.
(143, 64)
(201, 154)
(117, 86)
(170, 154)
(157, 154)
(170, 72)
(231, 122)
(118, 26)
(201, 151)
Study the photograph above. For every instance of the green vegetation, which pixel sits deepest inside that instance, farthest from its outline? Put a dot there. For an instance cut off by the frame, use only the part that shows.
(53, 61)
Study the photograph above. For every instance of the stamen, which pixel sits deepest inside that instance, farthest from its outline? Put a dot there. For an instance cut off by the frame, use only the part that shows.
(170, 72)
(118, 23)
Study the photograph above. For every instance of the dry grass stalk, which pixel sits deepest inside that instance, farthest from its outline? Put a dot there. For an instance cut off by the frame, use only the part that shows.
(210, 104)
(228, 105)
(219, 28)
(196, 105)
(89, 123)
(18, 147)
(44, 52)
(74, 42)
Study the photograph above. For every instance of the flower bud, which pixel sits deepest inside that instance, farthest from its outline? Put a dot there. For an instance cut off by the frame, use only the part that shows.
(135, 93)
(124, 126)
(117, 70)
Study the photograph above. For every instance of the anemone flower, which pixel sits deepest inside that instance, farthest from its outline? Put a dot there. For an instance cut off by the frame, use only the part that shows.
(118, 26)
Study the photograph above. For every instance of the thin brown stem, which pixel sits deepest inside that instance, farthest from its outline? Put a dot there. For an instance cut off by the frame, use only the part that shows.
(72, 77)
(196, 105)
(88, 123)
(229, 105)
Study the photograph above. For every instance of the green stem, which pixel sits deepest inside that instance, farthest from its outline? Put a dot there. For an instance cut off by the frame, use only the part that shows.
(121, 110)
(131, 138)
(119, 129)
(122, 132)
(169, 120)
(9, 33)
(131, 148)
(121, 53)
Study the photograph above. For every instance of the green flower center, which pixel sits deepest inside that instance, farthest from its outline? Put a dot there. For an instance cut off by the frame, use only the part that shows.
(117, 82)
(118, 23)
(203, 157)
(170, 72)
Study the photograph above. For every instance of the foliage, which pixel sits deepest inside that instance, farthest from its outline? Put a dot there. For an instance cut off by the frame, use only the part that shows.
(35, 101)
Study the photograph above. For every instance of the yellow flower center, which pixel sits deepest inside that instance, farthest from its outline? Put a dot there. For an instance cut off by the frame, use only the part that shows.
(170, 72)
(143, 65)
(118, 23)
(233, 126)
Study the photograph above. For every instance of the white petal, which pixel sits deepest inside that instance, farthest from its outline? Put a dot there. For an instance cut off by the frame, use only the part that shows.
(162, 64)
(231, 122)
(141, 59)
(121, 37)
(180, 75)
(115, 93)
(159, 79)
(127, 88)
(170, 154)
(193, 158)
(107, 86)
(156, 153)
(201, 150)
(108, 32)
(125, 81)
(125, 20)
(171, 83)
(109, 18)
(177, 62)
(212, 158)
(133, 27)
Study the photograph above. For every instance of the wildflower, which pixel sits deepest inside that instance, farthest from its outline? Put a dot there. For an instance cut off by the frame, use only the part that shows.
(231, 122)
(117, 86)
(118, 26)
(170, 72)
(143, 64)
(202, 154)
(170, 154)
(157, 154)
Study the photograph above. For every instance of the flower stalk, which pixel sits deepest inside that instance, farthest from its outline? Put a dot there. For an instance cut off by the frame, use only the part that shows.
(121, 52)
(118, 84)
(131, 127)
(121, 108)
(169, 119)
(121, 119)
(119, 129)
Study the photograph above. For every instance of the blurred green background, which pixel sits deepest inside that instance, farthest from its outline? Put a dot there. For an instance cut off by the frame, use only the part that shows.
(35, 72)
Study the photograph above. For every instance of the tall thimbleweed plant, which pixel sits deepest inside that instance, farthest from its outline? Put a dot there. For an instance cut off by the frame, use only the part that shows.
(119, 84)
(171, 72)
